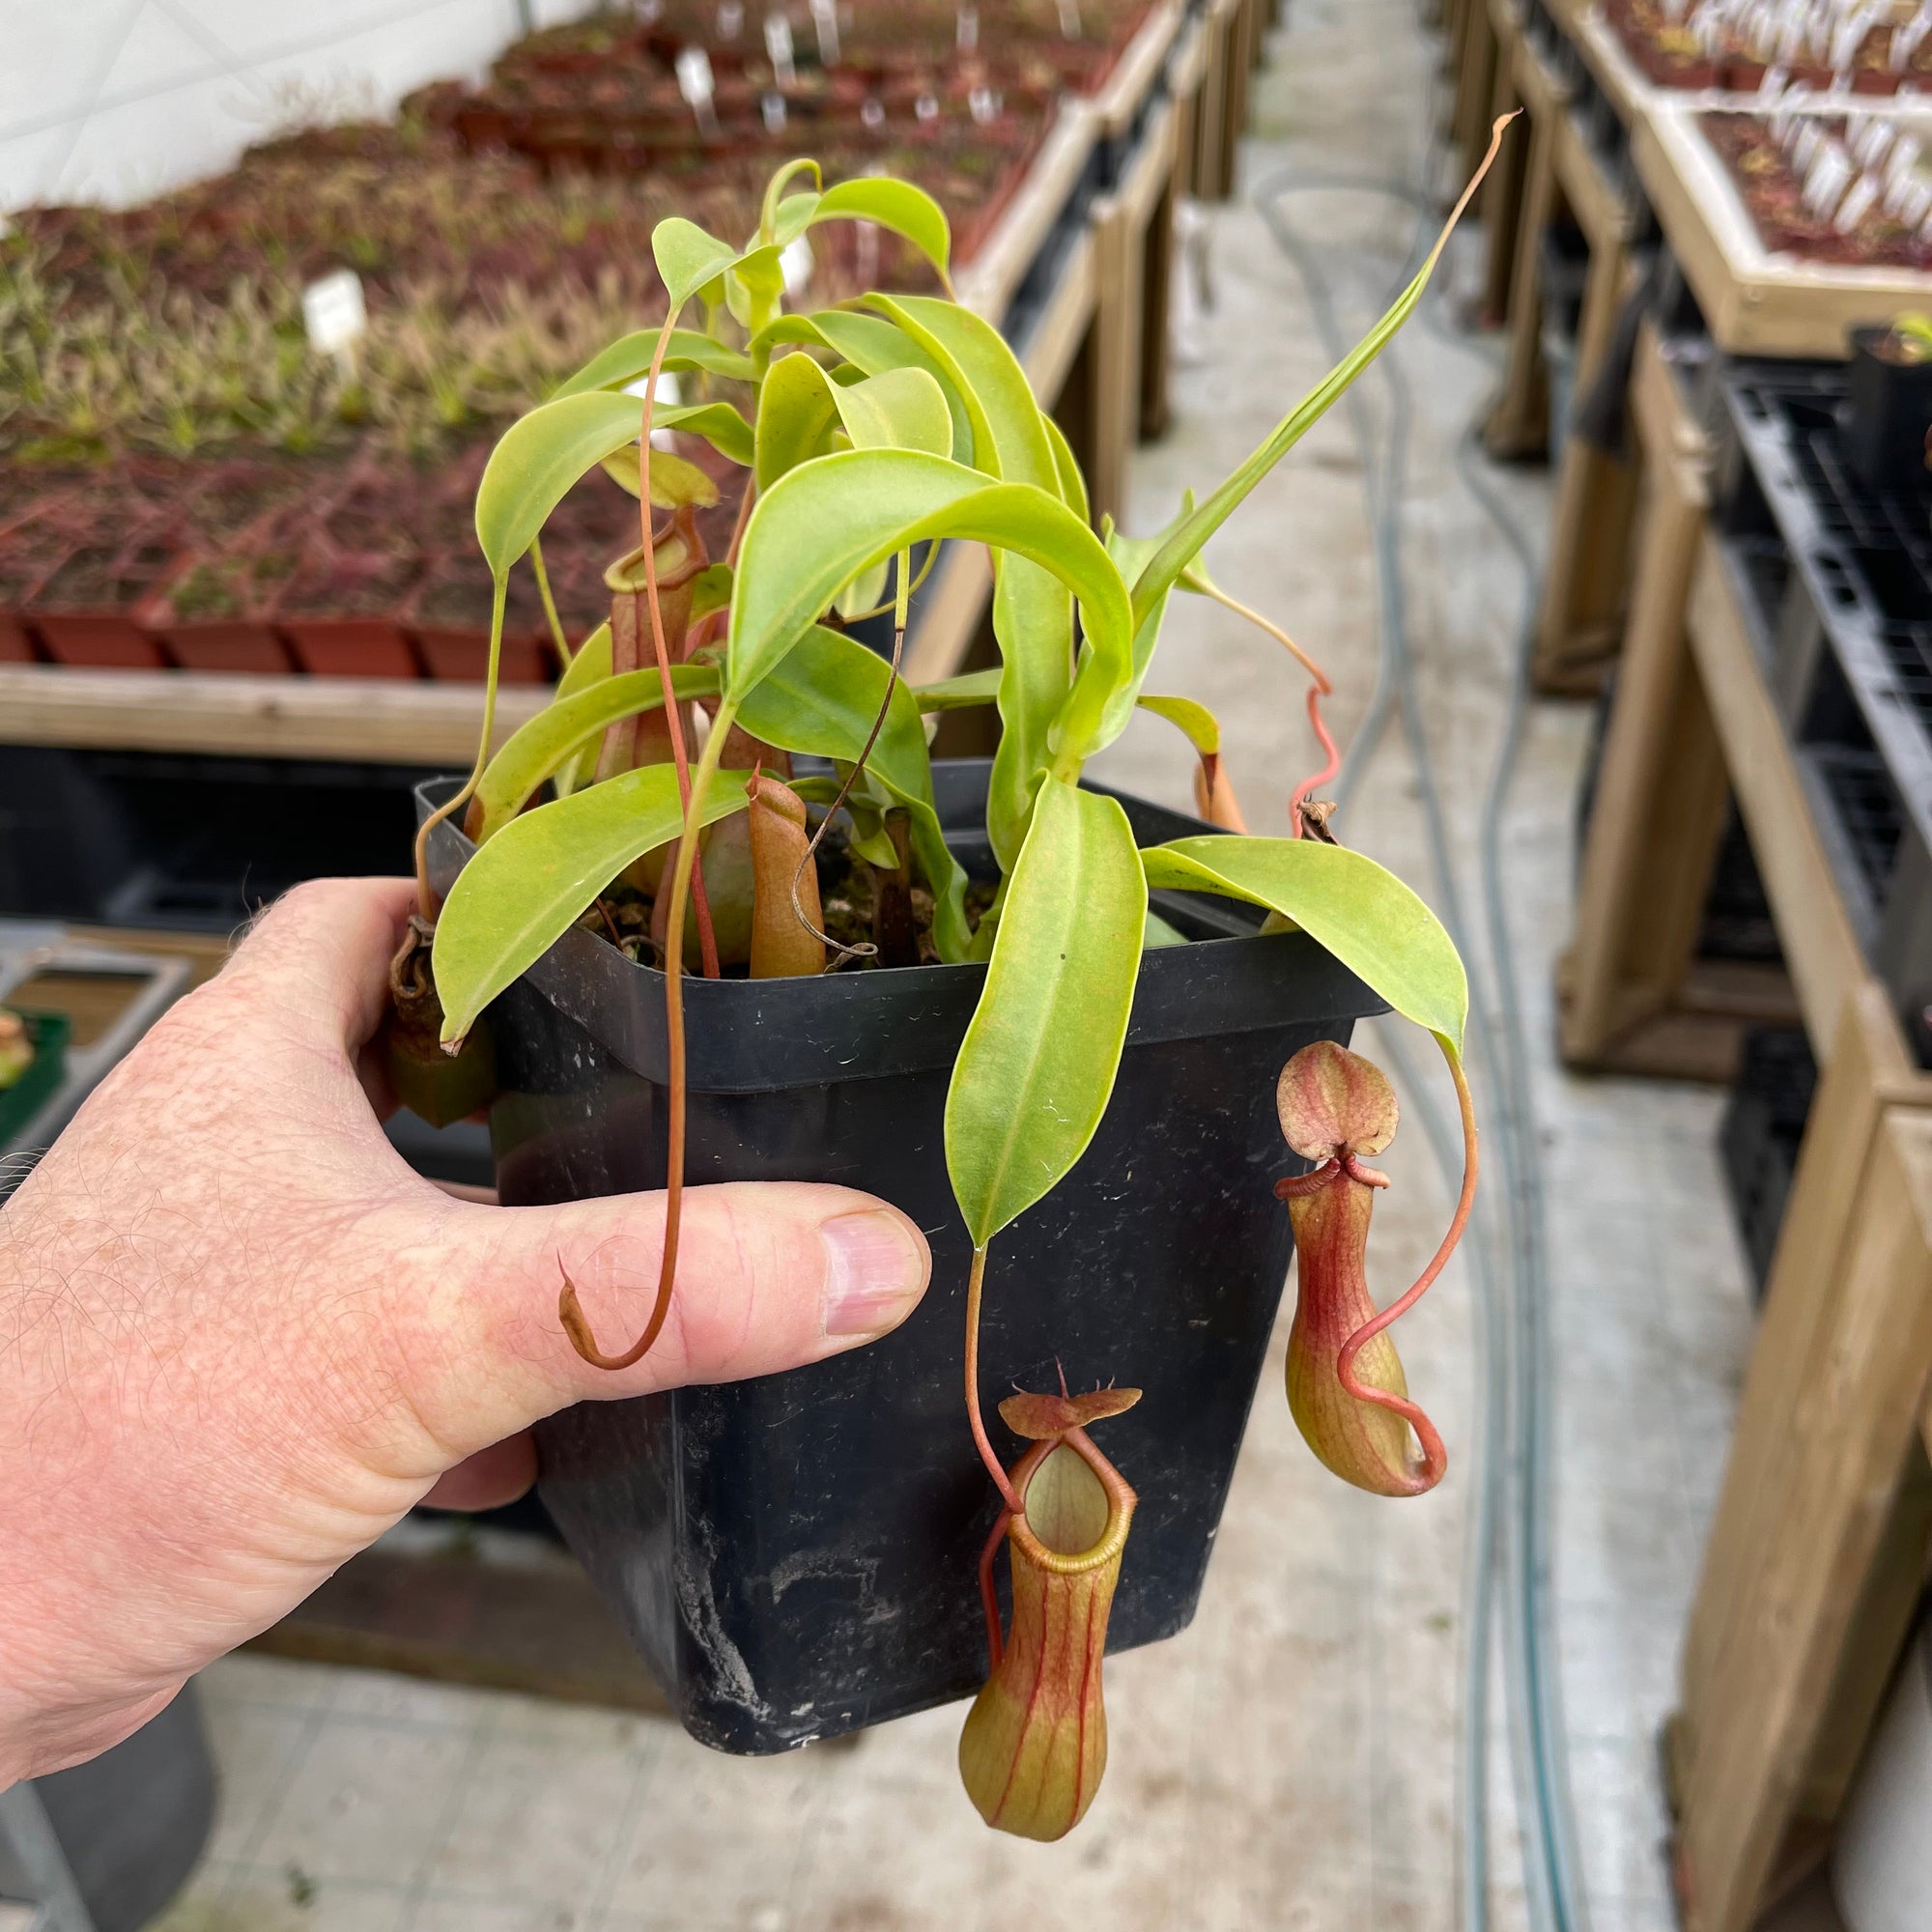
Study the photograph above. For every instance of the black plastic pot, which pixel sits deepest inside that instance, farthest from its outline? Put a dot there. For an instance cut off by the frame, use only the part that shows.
(133, 1822)
(795, 1556)
(1888, 415)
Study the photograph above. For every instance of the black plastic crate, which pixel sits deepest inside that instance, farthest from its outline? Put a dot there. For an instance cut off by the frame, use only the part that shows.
(1839, 579)
(1759, 1134)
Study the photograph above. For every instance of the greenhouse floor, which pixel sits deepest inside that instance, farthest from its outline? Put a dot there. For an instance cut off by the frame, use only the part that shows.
(1294, 1759)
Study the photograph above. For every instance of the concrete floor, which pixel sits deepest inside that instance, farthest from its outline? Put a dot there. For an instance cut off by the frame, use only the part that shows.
(1292, 1761)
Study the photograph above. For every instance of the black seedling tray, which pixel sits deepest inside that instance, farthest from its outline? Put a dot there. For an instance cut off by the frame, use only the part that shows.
(1837, 582)
(189, 843)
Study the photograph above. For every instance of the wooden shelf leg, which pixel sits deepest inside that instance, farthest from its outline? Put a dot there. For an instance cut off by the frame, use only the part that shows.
(1660, 801)
(1502, 193)
(1519, 425)
(1819, 1488)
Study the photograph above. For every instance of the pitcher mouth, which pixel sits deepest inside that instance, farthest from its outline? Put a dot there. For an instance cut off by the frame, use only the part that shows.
(1109, 1489)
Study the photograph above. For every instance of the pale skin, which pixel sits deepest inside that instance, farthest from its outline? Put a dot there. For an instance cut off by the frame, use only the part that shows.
(240, 1338)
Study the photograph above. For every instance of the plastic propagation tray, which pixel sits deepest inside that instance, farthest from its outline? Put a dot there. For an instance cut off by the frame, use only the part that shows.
(1845, 626)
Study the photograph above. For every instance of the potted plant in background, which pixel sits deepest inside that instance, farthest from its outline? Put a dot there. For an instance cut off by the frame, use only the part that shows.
(1078, 1038)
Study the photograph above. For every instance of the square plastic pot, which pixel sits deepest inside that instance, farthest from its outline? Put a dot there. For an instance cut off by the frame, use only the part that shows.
(230, 644)
(99, 640)
(796, 1556)
(463, 656)
(1888, 417)
(16, 641)
(349, 647)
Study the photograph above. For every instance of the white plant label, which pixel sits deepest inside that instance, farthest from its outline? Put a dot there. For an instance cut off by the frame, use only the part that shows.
(730, 18)
(773, 107)
(778, 48)
(695, 83)
(334, 314)
(966, 29)
(796, 262)
(825, 21)
(1858, 203)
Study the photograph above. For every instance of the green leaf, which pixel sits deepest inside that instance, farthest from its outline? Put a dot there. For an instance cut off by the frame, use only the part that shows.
(773, 205)
(754, 287)
(1128, 553)
(591, 662)
(1202, 727)
(1037, 1063)
(710, 590)
(536, 462)
(902, 408)
(1188, 538)
(897, 205)
(1363, 914)
(824, 522)
(1032, 620)
(873, 346)
(1072, 484)
(796, 417)
(821, 699)
(674, 481)
(793, 218)
(958, 694)
(520, 892)
(541, 747)
(719, 424)
(688, 258)
(629, 359)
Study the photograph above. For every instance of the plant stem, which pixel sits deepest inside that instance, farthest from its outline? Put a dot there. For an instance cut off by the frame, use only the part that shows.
(902, 568)
(1322, 689)
(569, 1311)
(425, 897)
(976, 1283)
(708, 941)
(556, 636)
(1434, 1455)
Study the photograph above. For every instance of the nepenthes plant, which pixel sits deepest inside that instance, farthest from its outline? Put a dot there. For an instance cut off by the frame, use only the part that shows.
(667, 798)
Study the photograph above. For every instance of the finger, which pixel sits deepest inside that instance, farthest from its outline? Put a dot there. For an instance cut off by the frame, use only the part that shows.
(770, 1275)
(320, 957)
(489, 1479)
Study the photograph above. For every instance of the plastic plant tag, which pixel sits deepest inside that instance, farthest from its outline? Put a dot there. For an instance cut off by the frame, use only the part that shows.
(730, 18)
(1069, 19)
(695, 85)
(334, 315)
(1827, 179)
(779, 50)
(873, 111)
(773, 107)
(1858, 203)
(966, 29)
(825, 19)
(669, 395)
(796, 263)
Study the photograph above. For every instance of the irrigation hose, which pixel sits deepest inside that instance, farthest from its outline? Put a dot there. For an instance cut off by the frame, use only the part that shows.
(1513, 1356)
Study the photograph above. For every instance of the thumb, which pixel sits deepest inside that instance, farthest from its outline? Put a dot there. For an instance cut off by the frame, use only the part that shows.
(770, 1275)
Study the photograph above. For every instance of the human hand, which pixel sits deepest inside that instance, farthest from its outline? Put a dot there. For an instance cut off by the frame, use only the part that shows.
(239, 1336)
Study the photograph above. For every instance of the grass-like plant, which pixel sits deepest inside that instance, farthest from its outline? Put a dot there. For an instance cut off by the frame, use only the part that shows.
(877, 428)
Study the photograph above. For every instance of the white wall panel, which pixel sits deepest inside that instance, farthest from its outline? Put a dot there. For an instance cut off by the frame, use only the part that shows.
(115, 99)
